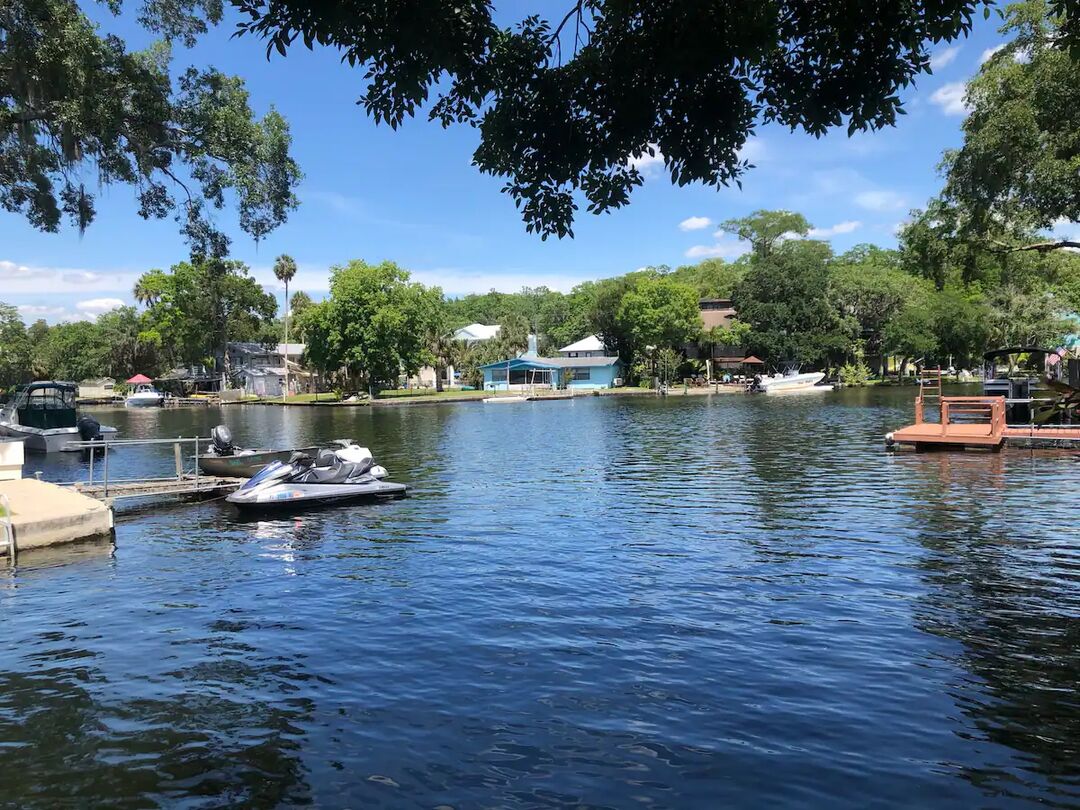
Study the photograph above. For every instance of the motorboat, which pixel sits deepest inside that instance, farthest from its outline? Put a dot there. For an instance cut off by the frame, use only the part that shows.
(145, 396)
(505, 400)
(790, 382)
(43, 415)
(330, 477)
(227, 459)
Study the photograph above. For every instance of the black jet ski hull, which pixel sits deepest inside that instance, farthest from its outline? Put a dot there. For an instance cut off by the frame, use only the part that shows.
(286, 495)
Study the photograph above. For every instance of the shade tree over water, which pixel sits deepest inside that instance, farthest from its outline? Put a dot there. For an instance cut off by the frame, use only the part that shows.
(79, 110)
(1016, 173)
(564, 105)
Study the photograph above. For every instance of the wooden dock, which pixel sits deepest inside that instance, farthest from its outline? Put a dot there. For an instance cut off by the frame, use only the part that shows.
(974, 422)
(187, 486)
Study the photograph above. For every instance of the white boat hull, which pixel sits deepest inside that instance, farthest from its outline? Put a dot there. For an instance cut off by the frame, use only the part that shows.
(794, 383)
(53, 440)
(144, 401)
(504, 400)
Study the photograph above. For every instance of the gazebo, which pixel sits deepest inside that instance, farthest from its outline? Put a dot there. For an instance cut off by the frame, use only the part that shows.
(139, 379)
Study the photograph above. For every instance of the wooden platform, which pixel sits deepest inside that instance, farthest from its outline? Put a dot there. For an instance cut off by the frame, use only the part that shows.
(977, 422)
(186, 486)
(971, 435)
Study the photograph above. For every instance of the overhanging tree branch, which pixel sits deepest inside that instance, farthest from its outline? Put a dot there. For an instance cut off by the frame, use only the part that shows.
(1038, 247)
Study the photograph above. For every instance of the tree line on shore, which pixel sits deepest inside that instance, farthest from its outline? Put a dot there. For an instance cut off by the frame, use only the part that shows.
(795, 300)
(980, 266)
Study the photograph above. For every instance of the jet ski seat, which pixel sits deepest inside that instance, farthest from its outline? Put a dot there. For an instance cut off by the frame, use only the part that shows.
(336, 473)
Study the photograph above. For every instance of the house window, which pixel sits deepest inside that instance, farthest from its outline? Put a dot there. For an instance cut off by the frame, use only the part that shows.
(498, 375)
(582, 374)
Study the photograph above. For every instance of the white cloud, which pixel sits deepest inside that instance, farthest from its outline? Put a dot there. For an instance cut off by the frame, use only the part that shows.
(988, 54)
(28, 279)
(648, 165)
(694, 223)
(718, 250)
(880, 200)
(39, 311)
(943, 57)
(950, 97)
(753, 151)
(10, 270)
(460, 281)
(98, 305)
(847, 226)
(81, 277)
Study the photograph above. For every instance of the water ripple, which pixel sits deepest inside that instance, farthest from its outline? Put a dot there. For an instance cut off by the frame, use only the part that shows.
(600, 602)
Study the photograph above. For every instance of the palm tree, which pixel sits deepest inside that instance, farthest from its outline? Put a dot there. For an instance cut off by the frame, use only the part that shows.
(148, 288)
(284, 270)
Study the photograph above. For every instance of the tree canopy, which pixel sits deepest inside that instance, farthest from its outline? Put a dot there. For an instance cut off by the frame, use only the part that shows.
(784, 300)
(1018, 170)
(375, 322)
(763, 229)
(79, 111)
(566, 107)
(196, 307)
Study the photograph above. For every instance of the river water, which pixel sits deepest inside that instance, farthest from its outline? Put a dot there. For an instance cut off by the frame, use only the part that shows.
(617, 602)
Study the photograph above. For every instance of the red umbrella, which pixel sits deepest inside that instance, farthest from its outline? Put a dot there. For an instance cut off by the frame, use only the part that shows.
(139, 378)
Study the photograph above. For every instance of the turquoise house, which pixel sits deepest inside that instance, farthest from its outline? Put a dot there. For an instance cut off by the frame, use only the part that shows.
(576, 373)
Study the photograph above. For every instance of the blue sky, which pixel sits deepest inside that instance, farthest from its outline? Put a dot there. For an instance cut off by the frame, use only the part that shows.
(413, 197)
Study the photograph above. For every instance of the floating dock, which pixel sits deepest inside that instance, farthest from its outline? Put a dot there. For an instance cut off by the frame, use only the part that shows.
(979, 423)
(185, 485)
(42, 514)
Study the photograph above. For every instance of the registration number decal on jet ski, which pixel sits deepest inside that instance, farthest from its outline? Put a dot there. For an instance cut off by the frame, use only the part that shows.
(286, 496)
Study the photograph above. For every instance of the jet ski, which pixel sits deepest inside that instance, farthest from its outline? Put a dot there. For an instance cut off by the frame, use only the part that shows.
(331, 476)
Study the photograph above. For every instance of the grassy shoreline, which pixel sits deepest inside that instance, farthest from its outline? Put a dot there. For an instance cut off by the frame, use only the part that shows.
(405, 397)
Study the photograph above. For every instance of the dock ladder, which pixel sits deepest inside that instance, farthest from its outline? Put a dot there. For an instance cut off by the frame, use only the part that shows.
(929, 388)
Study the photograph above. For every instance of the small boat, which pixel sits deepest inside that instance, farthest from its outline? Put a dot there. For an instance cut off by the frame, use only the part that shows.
(231, 461)
(43, 415)
(145, 396)
(790, 382)
(505, 400)
(331, 477)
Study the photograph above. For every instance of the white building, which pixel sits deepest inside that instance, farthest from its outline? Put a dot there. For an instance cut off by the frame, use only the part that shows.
(476, 333)
(591, 346)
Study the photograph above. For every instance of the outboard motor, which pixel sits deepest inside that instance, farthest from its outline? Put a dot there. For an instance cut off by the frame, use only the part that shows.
(89, 429)
(223, 443)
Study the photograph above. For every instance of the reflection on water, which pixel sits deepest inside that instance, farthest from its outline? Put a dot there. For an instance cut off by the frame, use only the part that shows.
(685, 602)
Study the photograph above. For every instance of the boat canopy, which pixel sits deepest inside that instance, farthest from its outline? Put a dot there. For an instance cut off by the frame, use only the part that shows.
(996, 353)
(46, 405)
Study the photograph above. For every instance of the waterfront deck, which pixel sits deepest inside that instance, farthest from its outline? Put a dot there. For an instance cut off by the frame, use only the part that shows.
(977, 422)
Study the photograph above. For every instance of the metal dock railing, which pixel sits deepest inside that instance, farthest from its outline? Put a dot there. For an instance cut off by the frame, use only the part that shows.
(183, 482)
